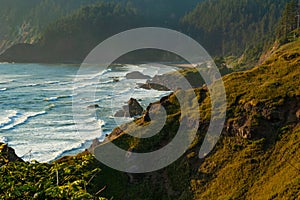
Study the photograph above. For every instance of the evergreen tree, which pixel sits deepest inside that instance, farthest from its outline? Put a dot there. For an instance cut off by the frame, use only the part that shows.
(288, 21)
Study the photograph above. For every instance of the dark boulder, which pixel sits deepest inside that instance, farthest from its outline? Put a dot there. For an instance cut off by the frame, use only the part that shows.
(137, 75)
(132, 109)
(135, 109)
(94, 106)
(154, 86)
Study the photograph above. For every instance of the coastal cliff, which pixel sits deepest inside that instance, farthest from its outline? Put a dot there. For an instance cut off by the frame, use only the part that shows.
(257, 156)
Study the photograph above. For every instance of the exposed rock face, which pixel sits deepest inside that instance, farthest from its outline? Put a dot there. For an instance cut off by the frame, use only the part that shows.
(164, 101)
(137, 75)
(189, 78)
(154, 86)
(95, 143)
(132, 109)
(260, 121)
(7, 154)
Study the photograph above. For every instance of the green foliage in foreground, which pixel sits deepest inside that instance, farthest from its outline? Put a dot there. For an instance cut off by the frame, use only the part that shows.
(66, 179)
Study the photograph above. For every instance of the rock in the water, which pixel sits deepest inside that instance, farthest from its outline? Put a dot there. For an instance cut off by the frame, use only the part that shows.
(154, 86)
(137, 75)
(135, 109)
(115, 79)
(120, 113)
(94, 106)
(132, 109)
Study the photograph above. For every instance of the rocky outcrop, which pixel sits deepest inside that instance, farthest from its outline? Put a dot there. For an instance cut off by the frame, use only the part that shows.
(132, 109)
(154, 86)
(137, 75)
(261, 121)
(94, 106)
(95, 143)
(183, 79)
(7, 154)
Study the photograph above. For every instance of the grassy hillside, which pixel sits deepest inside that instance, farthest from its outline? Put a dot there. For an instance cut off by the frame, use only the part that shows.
(257, 156)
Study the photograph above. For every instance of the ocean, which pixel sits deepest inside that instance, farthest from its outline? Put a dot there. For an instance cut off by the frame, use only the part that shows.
(36, 104)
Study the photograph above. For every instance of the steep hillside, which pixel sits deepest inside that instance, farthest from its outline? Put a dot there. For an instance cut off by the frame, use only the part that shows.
(258, 155)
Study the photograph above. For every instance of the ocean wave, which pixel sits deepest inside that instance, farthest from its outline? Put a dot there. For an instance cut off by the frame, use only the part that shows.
(51, 99)
(49, 107)
(25, 86)
(21, 119)
(89, 79)
(79, 146)
(42, 84)
(99, 74)
(3, 89)
(31, 85)
(7, 81)
(58, 97)
(56, 134)
(125, 91)
(3, 140)
(101, 122)
(71, 148)
(58, 89)
(51, 82)
(82, 85)
(90, 76)
(107, 82)
(130, 67)
(8, 117)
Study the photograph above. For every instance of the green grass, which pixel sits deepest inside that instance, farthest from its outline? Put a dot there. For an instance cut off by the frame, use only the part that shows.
(238, 168)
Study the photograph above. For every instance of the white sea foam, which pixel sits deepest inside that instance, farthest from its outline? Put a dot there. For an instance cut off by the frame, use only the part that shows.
(3, 140)
(22, 119)
(6, 81)
(72, 147)
(51, 82)
(51, 99)
(7, 117)
(59, 97)
(53, 132)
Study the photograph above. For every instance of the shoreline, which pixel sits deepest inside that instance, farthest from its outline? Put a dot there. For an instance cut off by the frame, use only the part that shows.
(174, 64)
